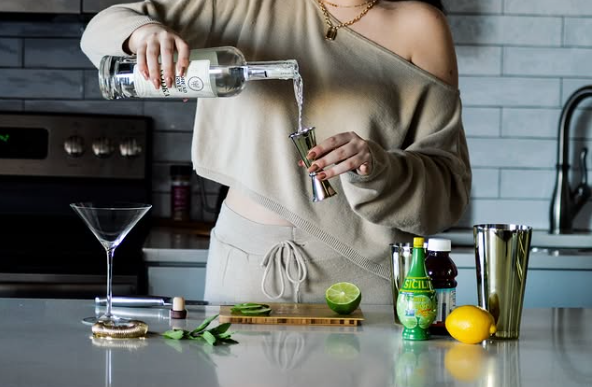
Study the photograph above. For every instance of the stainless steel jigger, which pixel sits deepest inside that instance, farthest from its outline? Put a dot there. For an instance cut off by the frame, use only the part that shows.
(305, 140)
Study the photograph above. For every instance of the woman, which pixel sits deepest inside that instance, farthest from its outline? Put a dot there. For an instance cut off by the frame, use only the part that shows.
(380, 86)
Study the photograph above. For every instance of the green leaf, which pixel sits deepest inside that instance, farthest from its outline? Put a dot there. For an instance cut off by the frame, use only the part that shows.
(212, 336)
(209, 338)
(219, 329)
(205, 324)
(225, 335)
(175, 334)
(196, 337)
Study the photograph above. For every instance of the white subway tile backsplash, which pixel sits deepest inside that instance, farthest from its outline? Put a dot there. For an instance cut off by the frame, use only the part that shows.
(527, 183)
(479, 60)
(512, 153)
(506, 91)
(479, 122)
(577, 32)
(534, 123)
(570, 85)
(473, 6)
(530, 212)
(559, 62)
(549, 7)
(485, 184)
(506, 30)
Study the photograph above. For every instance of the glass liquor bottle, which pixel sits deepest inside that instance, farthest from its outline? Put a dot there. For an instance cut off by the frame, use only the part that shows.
(416, 303)
(212, 73)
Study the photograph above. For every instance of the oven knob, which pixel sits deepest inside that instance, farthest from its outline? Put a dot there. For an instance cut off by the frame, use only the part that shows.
(74, 146)
(129, 147)
(103, 147)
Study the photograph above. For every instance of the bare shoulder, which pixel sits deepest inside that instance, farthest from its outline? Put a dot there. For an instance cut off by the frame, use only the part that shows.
(423, 34)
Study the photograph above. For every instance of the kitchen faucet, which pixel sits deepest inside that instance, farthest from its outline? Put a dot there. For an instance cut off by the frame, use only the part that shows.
(566, 203)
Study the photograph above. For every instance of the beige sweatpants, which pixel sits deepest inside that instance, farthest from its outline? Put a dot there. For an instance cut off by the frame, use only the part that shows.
(253, 262)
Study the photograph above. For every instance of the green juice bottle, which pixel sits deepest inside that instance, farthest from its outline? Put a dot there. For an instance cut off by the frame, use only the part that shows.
(416, 303)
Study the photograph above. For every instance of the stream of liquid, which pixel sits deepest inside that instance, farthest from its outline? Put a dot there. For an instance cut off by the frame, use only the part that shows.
(299, 93)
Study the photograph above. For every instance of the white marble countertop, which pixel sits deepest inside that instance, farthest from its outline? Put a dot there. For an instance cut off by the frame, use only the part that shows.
(45, 344)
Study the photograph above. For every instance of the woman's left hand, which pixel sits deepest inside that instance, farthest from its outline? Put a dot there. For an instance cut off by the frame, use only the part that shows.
(345, 151)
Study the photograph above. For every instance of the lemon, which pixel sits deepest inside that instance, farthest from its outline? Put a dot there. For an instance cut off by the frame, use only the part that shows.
(343, 297)
(465, 362)
(470, 324)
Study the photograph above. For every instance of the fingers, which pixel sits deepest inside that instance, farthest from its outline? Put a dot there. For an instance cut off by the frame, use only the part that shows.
(182, 56)
(155, 47)
(167, 62)
(345, 151)
(152, 54)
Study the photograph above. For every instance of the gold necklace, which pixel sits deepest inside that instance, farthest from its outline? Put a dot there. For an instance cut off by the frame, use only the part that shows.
(332, 29)
(347, 6)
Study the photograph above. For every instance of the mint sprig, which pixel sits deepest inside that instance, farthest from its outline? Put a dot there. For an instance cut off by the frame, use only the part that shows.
(212, 336)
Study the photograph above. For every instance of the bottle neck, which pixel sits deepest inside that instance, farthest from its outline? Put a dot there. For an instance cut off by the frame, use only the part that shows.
(285, 69)
(418, 268)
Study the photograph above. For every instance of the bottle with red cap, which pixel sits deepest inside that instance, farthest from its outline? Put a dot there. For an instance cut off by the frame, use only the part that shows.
(442, 271)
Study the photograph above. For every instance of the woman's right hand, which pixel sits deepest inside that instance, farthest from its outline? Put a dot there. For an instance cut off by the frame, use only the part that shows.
(152, 41)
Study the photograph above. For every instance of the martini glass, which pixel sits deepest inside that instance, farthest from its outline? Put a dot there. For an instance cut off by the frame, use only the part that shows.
(110, 223)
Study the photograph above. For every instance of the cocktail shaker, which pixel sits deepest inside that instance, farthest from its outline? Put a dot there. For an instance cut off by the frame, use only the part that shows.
(501, 255)
(400, 261)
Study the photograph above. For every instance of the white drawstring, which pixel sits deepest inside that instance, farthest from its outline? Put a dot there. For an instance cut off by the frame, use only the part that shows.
(279, 256)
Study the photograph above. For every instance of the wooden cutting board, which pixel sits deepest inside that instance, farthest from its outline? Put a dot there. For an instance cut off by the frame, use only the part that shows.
(293, 314)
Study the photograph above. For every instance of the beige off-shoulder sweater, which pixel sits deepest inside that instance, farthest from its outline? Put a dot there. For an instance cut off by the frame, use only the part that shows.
(421, 175)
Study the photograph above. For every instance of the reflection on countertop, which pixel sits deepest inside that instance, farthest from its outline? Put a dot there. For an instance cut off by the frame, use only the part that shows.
(52, 348)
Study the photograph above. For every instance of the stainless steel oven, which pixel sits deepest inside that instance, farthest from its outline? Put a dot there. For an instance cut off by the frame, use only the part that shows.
(48, 161)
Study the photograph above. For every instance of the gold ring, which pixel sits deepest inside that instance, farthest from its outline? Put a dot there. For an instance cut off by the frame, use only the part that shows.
(131, 329)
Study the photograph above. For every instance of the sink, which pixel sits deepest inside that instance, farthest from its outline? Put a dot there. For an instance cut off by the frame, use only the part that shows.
(540, 239)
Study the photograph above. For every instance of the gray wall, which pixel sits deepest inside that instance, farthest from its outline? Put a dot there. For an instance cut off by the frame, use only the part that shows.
(519, 61)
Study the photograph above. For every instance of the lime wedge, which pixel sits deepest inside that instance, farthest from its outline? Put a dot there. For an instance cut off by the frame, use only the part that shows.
(343, 297)
(252, 309)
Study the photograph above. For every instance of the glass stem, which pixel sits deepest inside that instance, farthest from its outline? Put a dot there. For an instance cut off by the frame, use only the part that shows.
(110, 254)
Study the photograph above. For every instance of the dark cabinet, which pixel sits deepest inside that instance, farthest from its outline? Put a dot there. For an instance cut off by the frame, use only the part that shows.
(58, 6)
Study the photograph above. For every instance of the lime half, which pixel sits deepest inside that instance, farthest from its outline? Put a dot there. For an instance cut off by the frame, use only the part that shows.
(343, 297)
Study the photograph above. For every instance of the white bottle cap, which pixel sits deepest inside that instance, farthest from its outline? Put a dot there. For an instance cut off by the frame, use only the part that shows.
(178, 304)
(439, 244)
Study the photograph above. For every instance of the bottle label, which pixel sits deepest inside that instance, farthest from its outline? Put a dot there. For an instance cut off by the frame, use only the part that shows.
(446, 302)
(416, 309)
(194, 84)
